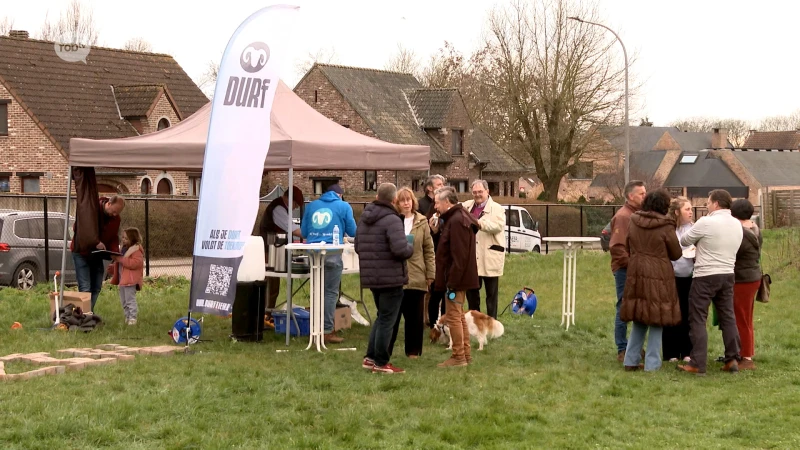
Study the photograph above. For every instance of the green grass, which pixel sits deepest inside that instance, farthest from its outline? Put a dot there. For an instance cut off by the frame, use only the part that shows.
(536, 387)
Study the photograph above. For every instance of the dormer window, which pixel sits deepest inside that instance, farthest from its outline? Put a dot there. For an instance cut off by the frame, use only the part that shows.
(163, 123)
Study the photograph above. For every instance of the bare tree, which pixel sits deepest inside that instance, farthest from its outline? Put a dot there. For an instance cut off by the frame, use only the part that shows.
(323, 56)
(404, 61)
(738, 129)
(445, 68)
(138, 44)
(6, 25)
(208, 80)
(75, 25)
(781, 123)
(553, 80)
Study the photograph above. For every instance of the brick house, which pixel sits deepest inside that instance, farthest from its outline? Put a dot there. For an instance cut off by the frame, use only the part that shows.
(45, 101)
(395, 107)
(660, 156)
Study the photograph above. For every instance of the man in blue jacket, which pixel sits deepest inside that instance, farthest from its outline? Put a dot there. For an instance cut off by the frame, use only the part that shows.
(319, 218)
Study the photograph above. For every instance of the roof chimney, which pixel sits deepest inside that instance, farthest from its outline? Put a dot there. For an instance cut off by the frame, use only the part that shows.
(20, 34)
(720, 138)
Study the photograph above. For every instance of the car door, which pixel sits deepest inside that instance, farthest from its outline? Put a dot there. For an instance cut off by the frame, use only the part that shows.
(530, 231)
(513, 227)
(55, 237)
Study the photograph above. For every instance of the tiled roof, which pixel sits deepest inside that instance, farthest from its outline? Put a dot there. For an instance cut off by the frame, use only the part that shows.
(431, 106)
(73, 99)
(772, 168)
(645, 138)
(487, 150)
(706, 171)
(378, 96)
(643, 165)
(773, 140)
(135, 101)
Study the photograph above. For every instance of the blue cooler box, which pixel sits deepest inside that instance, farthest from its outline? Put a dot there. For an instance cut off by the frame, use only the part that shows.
(303, 320)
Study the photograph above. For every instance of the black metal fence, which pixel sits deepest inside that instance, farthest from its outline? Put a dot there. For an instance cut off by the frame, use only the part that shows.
(29, 249)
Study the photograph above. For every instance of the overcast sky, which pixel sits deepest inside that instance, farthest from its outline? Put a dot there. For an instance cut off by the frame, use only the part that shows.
(715, 58)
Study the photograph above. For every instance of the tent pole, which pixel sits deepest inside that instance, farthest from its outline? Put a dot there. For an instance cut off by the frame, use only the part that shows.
(289, 239)
(64, 247)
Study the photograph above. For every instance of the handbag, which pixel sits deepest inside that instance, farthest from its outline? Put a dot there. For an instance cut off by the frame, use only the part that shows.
(763, 291)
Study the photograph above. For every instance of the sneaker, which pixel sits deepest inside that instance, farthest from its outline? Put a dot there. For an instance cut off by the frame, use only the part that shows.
(452, 362)
(131, 322)
(368, 363)
(388, 368)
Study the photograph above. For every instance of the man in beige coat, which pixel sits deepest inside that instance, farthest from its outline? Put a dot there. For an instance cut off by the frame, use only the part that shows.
(490, 249)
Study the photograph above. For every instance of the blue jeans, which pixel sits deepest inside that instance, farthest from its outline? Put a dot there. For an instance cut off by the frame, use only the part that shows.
(620, 327)
(89, 272)
(333, 277)
(388, 302)
(652, 358)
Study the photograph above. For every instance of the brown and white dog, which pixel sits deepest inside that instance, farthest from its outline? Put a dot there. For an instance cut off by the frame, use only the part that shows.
(480, 326)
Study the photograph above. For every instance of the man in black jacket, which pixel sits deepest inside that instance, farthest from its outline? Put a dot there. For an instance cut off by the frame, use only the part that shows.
(426, 202)
(383, 249)
(433, 299)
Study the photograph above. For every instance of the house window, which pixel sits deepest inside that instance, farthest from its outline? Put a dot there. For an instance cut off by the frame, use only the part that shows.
(194, 186)
(163, 123)
(675, 191)
(4, 117)
(147, 186)
(459, 185)
(494, 188)
(370, 180)
(322, 184)
(30, 185)
(582, 170)
(456, 142)
(688, 159)
(416, 185)
(316, 96)
(164, 187)
(5, 182)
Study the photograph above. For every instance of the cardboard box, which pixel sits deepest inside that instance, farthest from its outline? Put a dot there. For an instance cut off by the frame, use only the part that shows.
(83, 300)
(342, 318)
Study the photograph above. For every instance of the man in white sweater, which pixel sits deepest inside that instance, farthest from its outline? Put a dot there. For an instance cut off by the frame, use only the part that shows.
(717, 237)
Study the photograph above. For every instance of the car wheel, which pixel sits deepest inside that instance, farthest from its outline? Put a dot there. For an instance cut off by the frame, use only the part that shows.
(536, 249)
(25, 277)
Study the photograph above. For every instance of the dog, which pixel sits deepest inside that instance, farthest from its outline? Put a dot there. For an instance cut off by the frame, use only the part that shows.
(479, 325)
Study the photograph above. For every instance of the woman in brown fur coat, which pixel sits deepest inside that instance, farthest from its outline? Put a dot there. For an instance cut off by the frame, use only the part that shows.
(650, 300)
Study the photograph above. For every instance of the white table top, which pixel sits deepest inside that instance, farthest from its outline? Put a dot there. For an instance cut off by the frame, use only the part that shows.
(572, 239)
(270, 274)
(318, 246)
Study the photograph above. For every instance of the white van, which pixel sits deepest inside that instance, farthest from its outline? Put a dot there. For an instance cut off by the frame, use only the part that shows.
(524, 230)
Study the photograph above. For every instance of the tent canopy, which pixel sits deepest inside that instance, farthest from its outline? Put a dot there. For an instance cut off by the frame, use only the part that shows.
(301, 139)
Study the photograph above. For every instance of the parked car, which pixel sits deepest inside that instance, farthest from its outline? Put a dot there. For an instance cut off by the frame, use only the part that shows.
(525, 236)
(22, 250)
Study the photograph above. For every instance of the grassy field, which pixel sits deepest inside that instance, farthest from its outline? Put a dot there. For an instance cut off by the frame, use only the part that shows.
(536, 387)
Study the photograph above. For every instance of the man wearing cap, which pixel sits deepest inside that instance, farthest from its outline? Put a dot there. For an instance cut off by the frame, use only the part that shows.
(276, 221)
(320, 217)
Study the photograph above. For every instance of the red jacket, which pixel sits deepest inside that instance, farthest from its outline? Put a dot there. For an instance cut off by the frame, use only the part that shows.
(128, 270)
(456, 260)
(108, 230)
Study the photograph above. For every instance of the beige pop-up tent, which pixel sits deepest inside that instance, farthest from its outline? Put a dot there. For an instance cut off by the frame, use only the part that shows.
(301, 139)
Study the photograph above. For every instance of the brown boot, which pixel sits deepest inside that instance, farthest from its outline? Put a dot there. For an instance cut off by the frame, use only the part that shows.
(453, 362)
(621, 356)
(747, 364)
(331, 338)
(731, 366)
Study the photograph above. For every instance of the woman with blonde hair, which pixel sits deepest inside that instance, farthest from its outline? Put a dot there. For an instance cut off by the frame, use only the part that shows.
(421, 270)
(676, 342)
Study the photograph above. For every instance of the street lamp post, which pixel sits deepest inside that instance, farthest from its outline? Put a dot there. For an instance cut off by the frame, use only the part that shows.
(627, 124)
